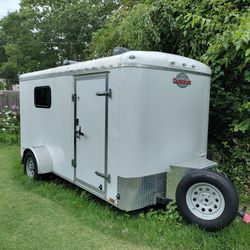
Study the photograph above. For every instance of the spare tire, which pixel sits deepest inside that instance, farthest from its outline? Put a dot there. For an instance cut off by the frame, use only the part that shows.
(207, 199)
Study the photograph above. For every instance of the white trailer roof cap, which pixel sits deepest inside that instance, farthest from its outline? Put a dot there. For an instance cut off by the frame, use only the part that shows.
(149, 59)
(159, 59)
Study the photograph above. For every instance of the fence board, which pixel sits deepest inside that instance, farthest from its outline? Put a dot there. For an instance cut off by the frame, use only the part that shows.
(9, 98)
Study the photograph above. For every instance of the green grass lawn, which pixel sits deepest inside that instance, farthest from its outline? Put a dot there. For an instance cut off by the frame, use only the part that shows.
(53, 214)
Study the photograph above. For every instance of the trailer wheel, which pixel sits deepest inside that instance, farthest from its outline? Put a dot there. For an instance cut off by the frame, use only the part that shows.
(30, 166)
(207, 199)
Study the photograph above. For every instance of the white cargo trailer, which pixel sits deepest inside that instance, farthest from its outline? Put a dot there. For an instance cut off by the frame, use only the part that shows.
(131, 129)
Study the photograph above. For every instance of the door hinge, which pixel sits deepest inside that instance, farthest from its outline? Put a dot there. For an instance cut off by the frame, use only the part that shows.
(73, 97)
(77, 122)
(73, 163)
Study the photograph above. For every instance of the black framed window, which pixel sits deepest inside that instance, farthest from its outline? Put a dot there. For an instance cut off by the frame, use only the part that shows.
(42, 97)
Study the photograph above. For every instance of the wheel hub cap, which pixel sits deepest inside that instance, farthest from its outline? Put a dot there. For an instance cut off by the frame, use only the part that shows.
(30, 167)
(205, 201)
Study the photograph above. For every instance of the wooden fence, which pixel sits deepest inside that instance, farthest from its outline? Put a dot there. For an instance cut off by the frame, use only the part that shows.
(9, 98)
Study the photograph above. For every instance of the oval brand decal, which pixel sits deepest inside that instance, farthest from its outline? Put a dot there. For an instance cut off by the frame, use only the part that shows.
(182, 80)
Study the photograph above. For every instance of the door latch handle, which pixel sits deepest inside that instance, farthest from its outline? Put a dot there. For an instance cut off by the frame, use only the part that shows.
(105, 93)
(79, 132)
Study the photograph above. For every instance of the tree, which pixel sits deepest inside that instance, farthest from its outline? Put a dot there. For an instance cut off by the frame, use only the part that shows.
(45, 32)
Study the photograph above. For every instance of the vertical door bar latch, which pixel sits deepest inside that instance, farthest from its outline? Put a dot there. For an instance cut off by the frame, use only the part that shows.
(107, 178)
(105, 93)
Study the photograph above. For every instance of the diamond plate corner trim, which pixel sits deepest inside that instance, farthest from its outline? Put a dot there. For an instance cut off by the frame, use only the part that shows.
(140, 192)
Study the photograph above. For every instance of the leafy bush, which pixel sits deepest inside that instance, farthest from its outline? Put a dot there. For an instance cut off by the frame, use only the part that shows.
(10, 125)
(215, 32)
(168, 215)
(2, 85)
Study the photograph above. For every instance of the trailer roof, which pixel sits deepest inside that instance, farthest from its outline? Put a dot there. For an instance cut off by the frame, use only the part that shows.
(148, 59)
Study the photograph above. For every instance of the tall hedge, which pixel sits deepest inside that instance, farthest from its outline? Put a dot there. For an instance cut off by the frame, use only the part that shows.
(216, 32)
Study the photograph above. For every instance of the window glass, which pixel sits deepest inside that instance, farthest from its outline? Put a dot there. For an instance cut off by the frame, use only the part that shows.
(42, 97)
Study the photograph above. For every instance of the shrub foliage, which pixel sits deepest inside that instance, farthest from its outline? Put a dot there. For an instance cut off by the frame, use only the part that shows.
(216, 32)
(10, 125)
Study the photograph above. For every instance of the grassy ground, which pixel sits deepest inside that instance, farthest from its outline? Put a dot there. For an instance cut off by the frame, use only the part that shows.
(55, 215)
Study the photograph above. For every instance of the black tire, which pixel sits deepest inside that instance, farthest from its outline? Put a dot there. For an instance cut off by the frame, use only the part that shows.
(30, 166)
(207, 199)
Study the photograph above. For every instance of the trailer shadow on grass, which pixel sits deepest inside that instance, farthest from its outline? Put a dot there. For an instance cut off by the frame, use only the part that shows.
(59, 184)
(83, 194)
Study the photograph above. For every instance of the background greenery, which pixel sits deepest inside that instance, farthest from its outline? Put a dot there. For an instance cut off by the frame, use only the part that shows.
(10, 125)
(216, 32)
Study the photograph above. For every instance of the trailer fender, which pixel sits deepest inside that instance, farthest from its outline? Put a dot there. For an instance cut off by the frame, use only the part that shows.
(177, 171)
(43, 159)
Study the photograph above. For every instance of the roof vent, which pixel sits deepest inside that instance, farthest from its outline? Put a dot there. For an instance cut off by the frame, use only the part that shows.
(68, 62)
(119, 51)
